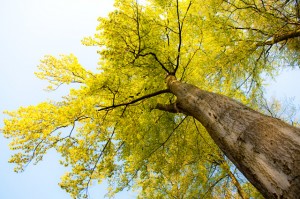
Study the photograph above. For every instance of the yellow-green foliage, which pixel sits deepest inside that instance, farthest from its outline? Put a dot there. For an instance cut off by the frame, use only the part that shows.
(220, 46)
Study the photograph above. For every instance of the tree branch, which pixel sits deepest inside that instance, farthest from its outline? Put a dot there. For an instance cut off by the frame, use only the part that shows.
(172, 108)
(279, 38)
(156, 58)
(180, 27)
(234, 180)
(179, 38)
(96, 163)
(135, 100)
(249, 28)
(138, 26)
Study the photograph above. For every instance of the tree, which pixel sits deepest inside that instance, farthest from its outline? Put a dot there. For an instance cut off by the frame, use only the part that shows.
(142, 119)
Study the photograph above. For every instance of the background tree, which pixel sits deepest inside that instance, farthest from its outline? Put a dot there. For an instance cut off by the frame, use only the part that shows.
(115, 128)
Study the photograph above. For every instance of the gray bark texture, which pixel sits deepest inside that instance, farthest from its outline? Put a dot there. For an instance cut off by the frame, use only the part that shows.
(265, 149)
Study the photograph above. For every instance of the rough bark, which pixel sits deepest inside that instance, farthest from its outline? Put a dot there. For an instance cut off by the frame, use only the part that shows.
(282, 37)
(266, 150)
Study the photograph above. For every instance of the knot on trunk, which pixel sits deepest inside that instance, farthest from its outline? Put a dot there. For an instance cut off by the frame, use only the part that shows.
(170, 79)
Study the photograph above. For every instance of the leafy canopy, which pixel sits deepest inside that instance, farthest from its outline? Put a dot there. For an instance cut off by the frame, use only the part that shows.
(109, 127)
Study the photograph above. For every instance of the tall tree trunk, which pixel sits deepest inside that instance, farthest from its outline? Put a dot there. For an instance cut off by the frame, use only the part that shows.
(265, 149)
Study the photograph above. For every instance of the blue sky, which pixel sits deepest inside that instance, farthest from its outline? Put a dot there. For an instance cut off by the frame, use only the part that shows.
(31, 29)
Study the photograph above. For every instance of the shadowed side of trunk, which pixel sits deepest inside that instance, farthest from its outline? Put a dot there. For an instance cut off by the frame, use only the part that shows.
(265, 149)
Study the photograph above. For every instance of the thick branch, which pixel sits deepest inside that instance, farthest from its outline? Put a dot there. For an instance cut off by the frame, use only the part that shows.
(279, 38)
(172, 108)
(135, 100)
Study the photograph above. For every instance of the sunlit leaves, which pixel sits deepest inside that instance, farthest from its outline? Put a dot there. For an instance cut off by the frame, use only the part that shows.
(62, 71)
(108, 127)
